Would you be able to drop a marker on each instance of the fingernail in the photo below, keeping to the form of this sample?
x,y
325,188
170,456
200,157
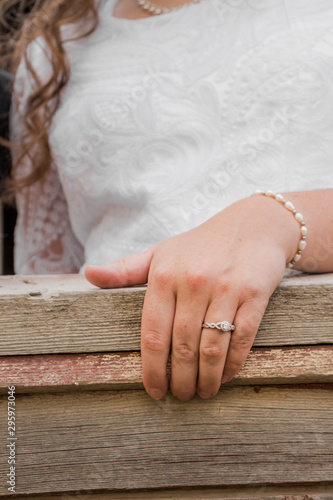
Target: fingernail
x,y
225,378
155,393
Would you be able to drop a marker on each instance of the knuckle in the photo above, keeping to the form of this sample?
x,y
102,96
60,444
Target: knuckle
x,y
253,318
195,280
152,341
243,341
254,290
184,352
247,327
211,351
163,277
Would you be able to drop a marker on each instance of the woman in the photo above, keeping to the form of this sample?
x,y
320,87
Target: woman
x,y
145,155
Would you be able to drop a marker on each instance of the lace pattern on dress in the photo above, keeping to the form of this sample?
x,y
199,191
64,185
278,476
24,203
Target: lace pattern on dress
x,y
44,240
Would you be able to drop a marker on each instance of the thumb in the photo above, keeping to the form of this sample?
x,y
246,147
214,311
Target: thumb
x,y
132,270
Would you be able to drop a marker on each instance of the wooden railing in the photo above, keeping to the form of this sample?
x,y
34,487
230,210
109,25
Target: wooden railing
x,y
85,427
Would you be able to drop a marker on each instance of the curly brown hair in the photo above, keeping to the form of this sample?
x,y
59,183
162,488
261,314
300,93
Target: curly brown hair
x,y
21,21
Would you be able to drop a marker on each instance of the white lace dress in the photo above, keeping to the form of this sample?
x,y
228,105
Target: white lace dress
x,y
167,120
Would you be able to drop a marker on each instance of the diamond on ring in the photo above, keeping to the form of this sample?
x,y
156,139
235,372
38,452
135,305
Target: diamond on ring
x,y
223,325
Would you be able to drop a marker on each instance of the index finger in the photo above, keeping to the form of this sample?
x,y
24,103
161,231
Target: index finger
x,y
156,331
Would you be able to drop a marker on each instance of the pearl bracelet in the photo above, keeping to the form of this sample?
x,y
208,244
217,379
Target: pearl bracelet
x,y
299,217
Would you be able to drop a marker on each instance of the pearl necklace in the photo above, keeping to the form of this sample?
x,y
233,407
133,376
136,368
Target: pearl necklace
x,y
156,9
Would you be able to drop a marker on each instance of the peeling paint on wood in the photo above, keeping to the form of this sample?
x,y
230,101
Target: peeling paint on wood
x,y
71,349
301,365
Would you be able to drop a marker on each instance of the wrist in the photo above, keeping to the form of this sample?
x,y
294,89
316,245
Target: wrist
x,y
294,240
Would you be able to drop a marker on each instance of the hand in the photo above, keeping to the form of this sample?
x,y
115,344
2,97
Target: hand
x,y
225,269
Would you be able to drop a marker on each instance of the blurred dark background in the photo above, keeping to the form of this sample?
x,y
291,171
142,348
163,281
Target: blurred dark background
x,y
8,212
11,20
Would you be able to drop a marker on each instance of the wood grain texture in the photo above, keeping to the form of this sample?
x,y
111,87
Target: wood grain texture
x,y
125,440
63,372
65,314
313,492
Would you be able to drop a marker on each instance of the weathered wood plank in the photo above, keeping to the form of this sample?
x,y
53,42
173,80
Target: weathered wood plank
x,y
125,440
64,314
63,372
313,492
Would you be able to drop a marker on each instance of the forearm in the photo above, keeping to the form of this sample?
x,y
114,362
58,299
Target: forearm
x,y
317,209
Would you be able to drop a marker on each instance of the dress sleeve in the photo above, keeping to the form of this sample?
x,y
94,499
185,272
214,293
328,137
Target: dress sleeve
x,y
44,240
